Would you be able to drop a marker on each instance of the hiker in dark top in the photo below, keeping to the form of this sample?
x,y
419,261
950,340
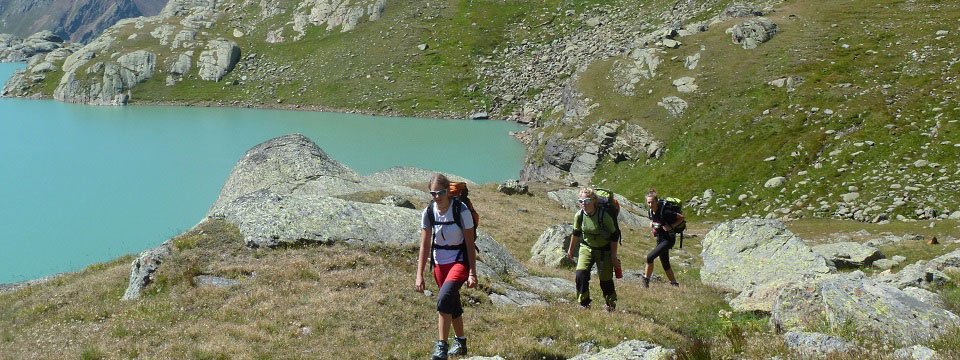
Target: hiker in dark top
x,y
663,222
449,246
596,234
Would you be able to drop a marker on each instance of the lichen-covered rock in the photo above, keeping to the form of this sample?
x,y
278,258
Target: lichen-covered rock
x,y
753,32
345,14
144,268
283,192
759,298
408,176
630,350
849,254
740,254
916,352
675,106
549,285
218,59
214,281
854,300
512,187
551,248
815,345
506,295
925,296
922,273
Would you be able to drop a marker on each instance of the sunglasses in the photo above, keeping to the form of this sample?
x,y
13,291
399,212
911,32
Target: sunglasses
x,y
584,201
438,193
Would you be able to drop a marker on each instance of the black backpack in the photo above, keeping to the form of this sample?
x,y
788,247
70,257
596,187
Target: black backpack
x,y
673,205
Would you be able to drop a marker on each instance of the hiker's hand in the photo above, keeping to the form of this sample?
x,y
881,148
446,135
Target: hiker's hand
x,y
570,254
419,287
471,281
667,227
616,261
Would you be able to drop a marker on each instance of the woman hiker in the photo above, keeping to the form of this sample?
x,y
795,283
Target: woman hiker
x,y
662,221
596,234
453,260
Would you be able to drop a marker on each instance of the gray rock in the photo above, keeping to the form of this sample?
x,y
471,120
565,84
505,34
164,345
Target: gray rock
x,y
685,84
628,209
812,344
407,176
743,253
775,182
630,350
850,197
759,298
872,308
675,106
214,281
144,268
512,187
849,254
925,296
484,358
397,201
671,44
483,115
884,264
136,67
182,65
218,59
741,10
551,248
282,192
916,352
692,61
506,295
753,32
550,285
922,273
14,49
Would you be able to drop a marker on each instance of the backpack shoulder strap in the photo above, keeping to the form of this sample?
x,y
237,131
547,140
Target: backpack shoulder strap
x,y
579,221
430,216
457,209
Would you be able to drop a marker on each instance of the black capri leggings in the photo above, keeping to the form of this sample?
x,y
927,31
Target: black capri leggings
x,y
662,250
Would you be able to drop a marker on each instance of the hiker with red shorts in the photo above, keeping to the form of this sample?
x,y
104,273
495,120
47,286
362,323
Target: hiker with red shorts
x,y
447,240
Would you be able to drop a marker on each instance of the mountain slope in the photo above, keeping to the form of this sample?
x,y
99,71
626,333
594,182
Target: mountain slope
x,y
75,20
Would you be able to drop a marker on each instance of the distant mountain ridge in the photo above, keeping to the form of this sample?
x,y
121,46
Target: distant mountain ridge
x,y
74,20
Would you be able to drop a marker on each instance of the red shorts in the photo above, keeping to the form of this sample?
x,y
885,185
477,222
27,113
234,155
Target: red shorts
x,y
456,271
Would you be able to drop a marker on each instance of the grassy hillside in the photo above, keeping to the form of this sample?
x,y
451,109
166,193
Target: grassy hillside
x,y
881,68
332,302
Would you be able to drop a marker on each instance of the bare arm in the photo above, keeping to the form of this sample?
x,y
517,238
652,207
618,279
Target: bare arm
x,y
470,237
425,235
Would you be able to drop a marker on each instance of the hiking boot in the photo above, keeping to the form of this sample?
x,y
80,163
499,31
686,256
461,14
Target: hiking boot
x,y
584,306
440,350
646,282
459,346
674,284
610,307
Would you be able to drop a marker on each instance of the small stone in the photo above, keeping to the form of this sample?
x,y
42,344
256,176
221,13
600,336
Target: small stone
x,y
920,163
772,158
775,182
423,47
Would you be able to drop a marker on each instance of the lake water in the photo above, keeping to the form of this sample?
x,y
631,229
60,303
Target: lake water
x,y
85,184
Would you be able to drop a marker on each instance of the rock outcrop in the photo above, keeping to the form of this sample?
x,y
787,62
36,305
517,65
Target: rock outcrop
x,y
144,268
218,59
753,32
576,160
512,187
923,273
849,254
13,49
740,254
75,20
630,350
551,248
854,300
815,345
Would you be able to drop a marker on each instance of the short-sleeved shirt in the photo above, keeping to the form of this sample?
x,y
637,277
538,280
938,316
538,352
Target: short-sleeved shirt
x,y
447,235
595,235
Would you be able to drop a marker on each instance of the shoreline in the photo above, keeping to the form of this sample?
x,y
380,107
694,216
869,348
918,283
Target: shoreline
x,y
13,287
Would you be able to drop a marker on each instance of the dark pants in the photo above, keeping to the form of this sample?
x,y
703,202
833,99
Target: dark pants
x,y
665,242
448,299
587,258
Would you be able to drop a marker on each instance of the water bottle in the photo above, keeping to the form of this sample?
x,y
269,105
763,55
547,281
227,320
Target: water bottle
x,y
618,271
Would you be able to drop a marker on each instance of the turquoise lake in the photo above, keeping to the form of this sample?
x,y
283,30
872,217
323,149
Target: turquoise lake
x,y
86,184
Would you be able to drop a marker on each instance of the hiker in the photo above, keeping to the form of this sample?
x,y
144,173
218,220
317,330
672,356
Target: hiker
x,y
450,248
596,234
664,222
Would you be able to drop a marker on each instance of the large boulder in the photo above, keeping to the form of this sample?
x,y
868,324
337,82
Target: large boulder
x,y
143,269
630,350
567,198
409,176
753,32
218,59
283,192
849,254
870,307
740,254
551,248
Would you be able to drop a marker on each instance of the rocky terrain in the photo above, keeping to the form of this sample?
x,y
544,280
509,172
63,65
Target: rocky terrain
x,y
73,20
